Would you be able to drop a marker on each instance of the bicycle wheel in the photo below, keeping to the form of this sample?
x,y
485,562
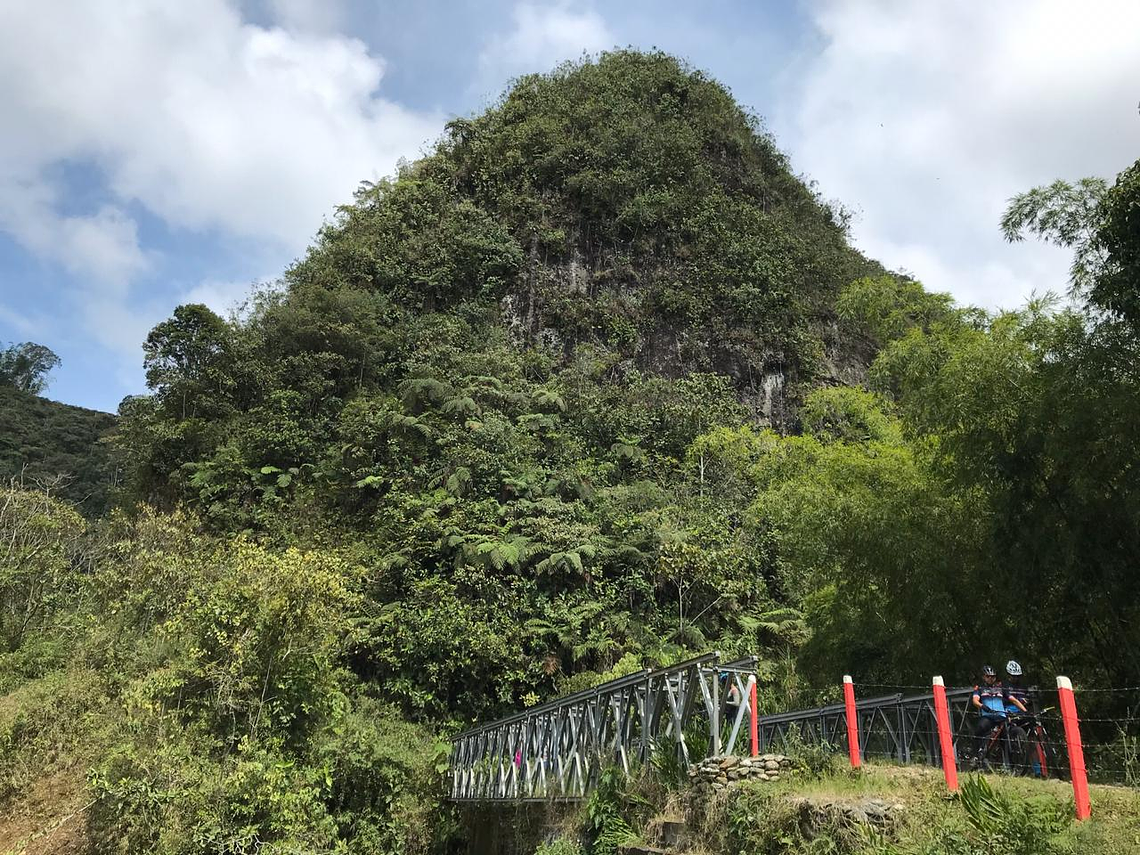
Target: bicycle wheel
x,y
1045,754
992,757
1019,759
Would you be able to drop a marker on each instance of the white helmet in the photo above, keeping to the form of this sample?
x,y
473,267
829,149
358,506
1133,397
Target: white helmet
x,y
1013,668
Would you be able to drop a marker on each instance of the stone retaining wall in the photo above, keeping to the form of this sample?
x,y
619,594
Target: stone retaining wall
x,y
718,773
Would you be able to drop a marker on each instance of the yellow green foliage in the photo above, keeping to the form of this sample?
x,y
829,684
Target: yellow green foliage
x,y
39,554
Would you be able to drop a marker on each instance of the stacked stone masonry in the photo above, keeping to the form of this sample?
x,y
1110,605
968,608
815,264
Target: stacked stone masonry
x,y
719,773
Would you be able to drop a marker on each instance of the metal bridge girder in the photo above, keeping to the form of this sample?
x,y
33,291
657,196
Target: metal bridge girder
x,y
558,749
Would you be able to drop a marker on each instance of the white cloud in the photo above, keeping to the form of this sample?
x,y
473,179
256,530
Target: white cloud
x,y
226,296
101,246
21,325
207,122
122,329
309,16
543,35
927,117
104,245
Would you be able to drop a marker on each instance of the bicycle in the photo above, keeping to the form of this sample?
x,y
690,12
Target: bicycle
x,y
1013,742
1041,757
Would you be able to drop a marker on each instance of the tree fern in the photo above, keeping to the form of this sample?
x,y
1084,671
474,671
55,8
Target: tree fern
x,y
461,406
548,400
459,481
417,392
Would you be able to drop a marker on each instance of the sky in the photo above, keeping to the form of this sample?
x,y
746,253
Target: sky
x,y
156,153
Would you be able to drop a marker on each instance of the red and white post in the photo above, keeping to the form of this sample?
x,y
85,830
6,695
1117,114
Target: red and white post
x,y
754,716
1076,750
945,737
852,723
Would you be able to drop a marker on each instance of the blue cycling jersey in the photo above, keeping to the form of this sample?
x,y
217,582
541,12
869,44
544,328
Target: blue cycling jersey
x,y
994,700
993,705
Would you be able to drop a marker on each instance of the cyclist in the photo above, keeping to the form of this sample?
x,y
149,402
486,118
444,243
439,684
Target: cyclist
x,y
1019,702
990,698
1016,690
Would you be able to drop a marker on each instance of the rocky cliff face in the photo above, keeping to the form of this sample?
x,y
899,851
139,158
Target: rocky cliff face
x,y
770,378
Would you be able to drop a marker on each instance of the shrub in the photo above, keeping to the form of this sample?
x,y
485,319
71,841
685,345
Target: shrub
x,y
38,572
256,641
1003,822
818,758
561,846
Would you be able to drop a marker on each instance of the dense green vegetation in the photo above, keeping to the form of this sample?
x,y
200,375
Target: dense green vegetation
x,y
597,383
56,447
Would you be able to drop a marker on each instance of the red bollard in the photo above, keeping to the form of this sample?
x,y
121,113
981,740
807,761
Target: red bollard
x,y
945,739
754,724
852,723
1076,750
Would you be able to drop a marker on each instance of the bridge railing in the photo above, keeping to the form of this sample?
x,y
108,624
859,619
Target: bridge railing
x,y
890,727
558,749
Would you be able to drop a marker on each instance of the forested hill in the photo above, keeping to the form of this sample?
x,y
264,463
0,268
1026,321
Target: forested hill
x,y
630,204
622,219
57,446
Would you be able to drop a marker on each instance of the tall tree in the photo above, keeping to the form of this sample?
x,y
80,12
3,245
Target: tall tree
x,y
1118,288
1064,214
181,356
25,366
1101,224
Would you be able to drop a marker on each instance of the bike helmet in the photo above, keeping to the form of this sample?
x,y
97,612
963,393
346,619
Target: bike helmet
x,y
988,671
1013,668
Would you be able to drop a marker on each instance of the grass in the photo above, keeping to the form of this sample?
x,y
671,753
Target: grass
x,y
812,814
51,730
930,821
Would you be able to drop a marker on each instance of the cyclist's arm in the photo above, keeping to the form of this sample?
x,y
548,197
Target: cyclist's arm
x,y
1007,698
976,699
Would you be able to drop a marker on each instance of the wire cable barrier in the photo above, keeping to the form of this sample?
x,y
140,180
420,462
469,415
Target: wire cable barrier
x,y
903,729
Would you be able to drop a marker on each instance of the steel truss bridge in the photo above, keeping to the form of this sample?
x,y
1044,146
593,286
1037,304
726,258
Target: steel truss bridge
x,y
558,750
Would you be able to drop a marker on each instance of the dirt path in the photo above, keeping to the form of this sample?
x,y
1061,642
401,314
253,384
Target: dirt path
x,y
50,820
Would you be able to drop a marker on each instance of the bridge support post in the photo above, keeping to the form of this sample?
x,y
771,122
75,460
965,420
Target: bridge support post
x,y
945,739
1076,750
852,723
753,709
